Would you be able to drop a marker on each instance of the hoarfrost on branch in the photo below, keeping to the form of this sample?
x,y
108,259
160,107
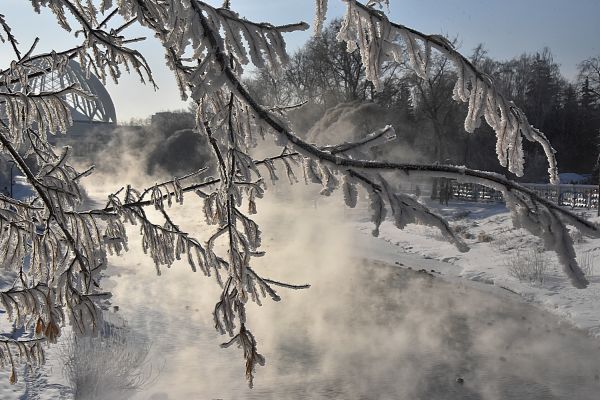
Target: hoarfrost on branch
x,y
56,252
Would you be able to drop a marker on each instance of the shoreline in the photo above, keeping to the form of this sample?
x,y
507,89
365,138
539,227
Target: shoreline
x,y
486,262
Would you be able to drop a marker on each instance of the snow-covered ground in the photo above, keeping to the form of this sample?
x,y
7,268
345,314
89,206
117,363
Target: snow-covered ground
x,y
495,246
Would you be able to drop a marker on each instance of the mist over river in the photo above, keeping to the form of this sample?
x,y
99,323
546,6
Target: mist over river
x,y
389,334
364,330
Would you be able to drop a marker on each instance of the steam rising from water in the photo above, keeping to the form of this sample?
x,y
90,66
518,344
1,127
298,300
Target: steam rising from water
x,y
364,330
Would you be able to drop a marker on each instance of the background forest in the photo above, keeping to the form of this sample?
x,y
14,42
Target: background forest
x,y
426,118
336,100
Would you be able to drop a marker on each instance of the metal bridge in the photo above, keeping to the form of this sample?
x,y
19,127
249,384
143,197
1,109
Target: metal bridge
x,y
99,108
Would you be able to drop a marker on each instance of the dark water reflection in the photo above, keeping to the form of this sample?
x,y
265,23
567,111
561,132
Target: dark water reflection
x,y
385,333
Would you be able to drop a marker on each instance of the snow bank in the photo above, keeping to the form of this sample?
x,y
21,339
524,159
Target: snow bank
x,y
495,247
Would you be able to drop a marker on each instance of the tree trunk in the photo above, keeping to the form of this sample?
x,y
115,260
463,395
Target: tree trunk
x,y
434,189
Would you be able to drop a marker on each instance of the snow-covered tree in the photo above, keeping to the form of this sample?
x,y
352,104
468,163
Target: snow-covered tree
x,y
56,251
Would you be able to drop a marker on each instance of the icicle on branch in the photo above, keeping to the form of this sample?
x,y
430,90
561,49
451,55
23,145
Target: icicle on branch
x,y
379,41
284,136
320,13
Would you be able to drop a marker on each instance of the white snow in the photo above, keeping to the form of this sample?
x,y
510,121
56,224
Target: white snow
x,y
493,243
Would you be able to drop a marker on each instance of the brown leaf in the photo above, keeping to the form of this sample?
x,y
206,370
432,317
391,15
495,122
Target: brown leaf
x,y
39,327
52,332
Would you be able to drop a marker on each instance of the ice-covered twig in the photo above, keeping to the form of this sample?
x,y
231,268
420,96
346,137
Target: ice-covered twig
x,y
9,36
405,209
375,138
379,40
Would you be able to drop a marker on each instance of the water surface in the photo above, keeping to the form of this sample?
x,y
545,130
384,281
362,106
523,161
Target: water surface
x,y
386,333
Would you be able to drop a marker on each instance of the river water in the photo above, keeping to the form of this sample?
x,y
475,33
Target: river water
x,y
402,335
365,330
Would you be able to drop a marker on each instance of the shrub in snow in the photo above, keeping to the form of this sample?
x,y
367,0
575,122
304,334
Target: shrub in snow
x,y
528,265
111,366
484,237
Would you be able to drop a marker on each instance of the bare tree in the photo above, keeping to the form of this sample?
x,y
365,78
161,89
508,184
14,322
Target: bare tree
x,y
322,71
56,251
433,98
590,70
589,75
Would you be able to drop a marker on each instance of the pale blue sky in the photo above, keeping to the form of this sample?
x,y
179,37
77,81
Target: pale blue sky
x,y
571,29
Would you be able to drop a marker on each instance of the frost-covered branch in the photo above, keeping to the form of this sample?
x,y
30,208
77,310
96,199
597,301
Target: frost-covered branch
x,y
58,251
375,138
379,42
9,36
245,340
106,47
52,207
285,135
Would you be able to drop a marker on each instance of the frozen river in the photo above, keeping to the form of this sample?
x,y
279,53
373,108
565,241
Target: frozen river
x,y
365,330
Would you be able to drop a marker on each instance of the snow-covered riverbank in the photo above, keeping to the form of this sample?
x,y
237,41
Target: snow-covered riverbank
x,y
495,247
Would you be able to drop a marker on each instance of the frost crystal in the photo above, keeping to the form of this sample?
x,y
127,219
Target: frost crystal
x,y
377,39
57,252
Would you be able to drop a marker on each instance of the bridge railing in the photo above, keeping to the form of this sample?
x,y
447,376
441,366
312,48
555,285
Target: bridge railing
x,y
569,195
